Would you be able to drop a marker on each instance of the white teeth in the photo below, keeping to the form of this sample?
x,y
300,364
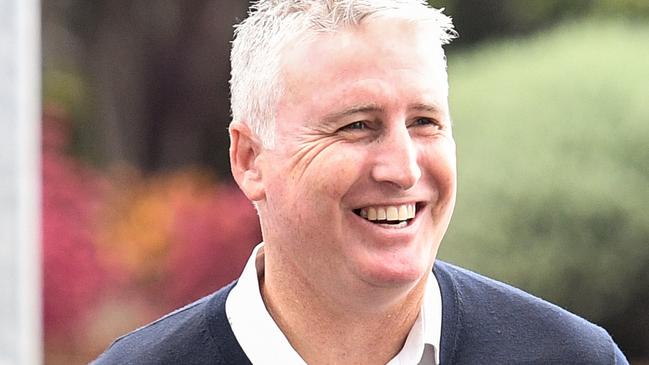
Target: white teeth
x,y
401,224
371,214
392,213
403,212
411,210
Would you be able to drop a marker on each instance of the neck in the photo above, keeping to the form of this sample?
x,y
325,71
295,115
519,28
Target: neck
x,y
323,330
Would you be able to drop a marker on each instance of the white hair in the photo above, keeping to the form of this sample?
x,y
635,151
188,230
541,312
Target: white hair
x,y
274,25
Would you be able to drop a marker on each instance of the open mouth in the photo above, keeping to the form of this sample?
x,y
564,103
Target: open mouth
x,y
390,216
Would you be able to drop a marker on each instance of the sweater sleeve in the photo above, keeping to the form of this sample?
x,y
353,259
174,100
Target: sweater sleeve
x,y
620,359
485,321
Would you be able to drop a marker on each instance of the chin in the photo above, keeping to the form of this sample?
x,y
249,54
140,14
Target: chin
x,y
395,273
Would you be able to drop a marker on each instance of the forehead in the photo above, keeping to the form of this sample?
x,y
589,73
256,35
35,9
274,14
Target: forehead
x,y
377,61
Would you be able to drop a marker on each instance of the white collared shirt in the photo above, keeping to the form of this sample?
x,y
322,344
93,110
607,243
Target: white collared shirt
x,y
264,343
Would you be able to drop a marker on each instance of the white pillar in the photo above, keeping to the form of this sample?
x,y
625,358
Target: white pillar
x,y
20,114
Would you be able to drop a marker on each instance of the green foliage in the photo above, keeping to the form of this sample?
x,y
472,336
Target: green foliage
x,y
65,89
540,11
553,156
68,91
629,8
480,20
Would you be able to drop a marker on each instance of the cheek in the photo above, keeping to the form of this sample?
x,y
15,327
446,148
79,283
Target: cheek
x,y
312,189
440,163
331,174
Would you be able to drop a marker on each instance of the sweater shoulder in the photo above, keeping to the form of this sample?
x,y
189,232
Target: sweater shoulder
x,y
491,317
188,335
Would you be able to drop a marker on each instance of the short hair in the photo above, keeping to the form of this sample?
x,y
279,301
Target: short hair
x,y
273,25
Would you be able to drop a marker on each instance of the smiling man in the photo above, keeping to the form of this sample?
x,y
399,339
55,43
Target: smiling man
x,y
341,136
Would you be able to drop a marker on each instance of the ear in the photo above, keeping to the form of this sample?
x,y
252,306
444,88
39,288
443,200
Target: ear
x,y
244,152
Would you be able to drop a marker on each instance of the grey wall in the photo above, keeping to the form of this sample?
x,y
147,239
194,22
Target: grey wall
x,y
20,309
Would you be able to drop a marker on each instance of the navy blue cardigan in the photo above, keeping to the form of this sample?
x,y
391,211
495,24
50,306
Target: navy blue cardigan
x,y
483,322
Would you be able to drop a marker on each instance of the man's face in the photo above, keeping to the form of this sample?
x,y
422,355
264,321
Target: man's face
x,y
363,143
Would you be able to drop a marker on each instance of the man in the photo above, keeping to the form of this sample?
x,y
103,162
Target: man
x,y
341,136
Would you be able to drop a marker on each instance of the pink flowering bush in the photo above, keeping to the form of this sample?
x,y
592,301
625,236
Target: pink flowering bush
x,y
121,248
215,236
73,277
176,236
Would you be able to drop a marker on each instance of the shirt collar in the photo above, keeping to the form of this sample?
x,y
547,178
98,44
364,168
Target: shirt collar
x,y
262,340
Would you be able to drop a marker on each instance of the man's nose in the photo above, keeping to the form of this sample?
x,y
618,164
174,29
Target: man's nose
x,y
396,159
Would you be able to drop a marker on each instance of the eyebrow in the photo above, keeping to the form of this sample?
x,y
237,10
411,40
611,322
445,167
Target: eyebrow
x,y
360,108
422,107
430,108
375,108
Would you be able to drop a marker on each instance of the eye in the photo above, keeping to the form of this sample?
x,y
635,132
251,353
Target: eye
x,y
354,126
424,121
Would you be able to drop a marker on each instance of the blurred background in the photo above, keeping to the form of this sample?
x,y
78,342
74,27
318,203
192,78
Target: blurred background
x,y
550,101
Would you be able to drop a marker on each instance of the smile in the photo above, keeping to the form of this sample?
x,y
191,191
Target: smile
x,y
391,216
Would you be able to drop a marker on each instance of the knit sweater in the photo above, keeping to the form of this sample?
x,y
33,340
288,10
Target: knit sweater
x,y
483,322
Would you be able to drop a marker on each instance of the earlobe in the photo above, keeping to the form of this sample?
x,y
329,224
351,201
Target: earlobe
x,y
245,149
